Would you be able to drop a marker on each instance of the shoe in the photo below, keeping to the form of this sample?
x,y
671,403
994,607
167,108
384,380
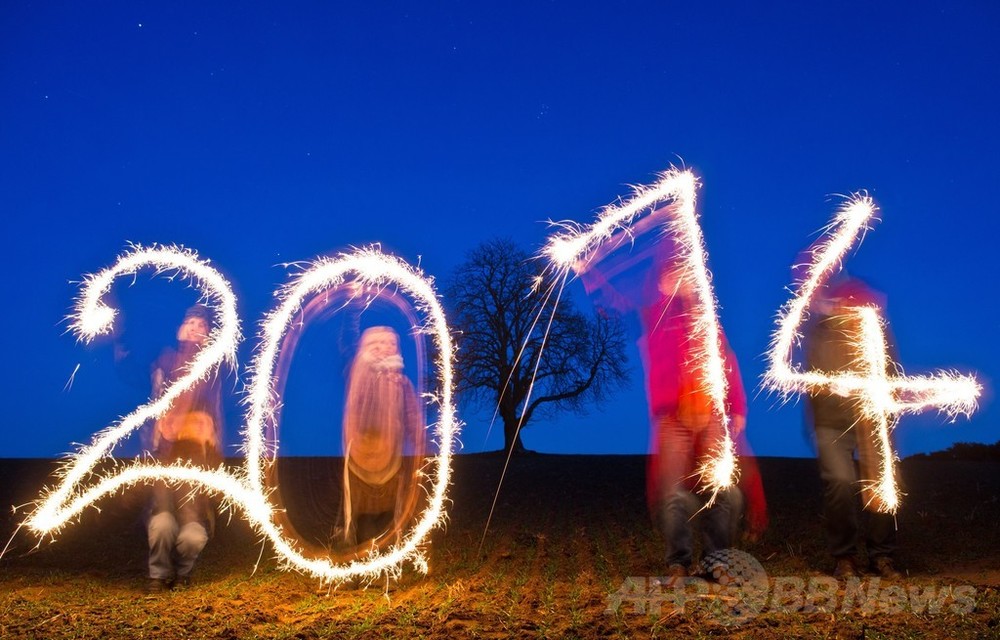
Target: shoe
x,y
677,571
883,566
182,582
675,575
157,585
845,568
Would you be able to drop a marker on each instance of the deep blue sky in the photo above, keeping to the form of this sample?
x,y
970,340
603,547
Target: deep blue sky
x,y
259,134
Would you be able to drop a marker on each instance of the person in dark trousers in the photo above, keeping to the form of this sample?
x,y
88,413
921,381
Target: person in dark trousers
x,y
842,430
181,520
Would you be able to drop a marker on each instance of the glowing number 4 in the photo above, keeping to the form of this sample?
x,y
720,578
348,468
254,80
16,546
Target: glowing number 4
x,y
245,488
882,397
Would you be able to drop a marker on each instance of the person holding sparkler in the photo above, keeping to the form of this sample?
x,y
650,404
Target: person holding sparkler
x,y
649,276
180,520
841,428
383,441
686,428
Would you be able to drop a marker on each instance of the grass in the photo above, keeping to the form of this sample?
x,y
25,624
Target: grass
x,y
567,532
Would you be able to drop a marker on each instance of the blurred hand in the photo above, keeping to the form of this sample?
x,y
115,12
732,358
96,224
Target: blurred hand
x,y
737,425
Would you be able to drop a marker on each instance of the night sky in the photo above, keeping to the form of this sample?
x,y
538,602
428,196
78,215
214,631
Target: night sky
x,y
261,135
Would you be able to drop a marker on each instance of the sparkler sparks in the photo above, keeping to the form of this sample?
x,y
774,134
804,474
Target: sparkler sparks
x,y
245,489
575,247
882,397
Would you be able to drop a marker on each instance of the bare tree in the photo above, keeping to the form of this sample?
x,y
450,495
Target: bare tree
x,y
495,298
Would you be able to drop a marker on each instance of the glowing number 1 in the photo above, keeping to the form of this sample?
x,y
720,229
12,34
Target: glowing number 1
x,y
882,397
679,187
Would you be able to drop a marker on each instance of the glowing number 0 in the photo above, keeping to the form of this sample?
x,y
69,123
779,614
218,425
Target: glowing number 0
x,y
245,489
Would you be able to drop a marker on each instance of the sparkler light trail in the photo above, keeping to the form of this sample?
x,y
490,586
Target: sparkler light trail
x,y
373,269
576,246
92,318
245,489
883,398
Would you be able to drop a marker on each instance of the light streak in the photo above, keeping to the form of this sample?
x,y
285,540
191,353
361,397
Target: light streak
x,y
882,397
81,485
577,245
69,383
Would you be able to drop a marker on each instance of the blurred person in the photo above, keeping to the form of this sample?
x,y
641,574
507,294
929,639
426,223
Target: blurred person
x,y
686,428
645,275
748,502
841,430
383,441
180,520
750,516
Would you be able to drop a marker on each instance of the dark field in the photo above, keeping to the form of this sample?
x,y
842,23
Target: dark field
x,y
567,532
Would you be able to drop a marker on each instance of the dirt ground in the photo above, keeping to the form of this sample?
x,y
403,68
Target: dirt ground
x,y
570,553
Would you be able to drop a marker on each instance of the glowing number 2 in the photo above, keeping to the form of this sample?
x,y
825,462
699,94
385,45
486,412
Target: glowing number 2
x,y
92,318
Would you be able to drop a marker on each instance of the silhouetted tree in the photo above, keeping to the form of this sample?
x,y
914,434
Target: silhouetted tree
x,y
495,297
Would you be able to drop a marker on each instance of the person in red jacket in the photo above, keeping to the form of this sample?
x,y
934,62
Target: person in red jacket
x,y
645,275
685,426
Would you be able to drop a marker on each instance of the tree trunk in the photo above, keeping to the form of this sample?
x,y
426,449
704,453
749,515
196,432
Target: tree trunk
x,y
511,436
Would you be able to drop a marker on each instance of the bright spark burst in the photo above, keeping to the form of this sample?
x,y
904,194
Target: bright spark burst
x,y
245,488
882,397
575,246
